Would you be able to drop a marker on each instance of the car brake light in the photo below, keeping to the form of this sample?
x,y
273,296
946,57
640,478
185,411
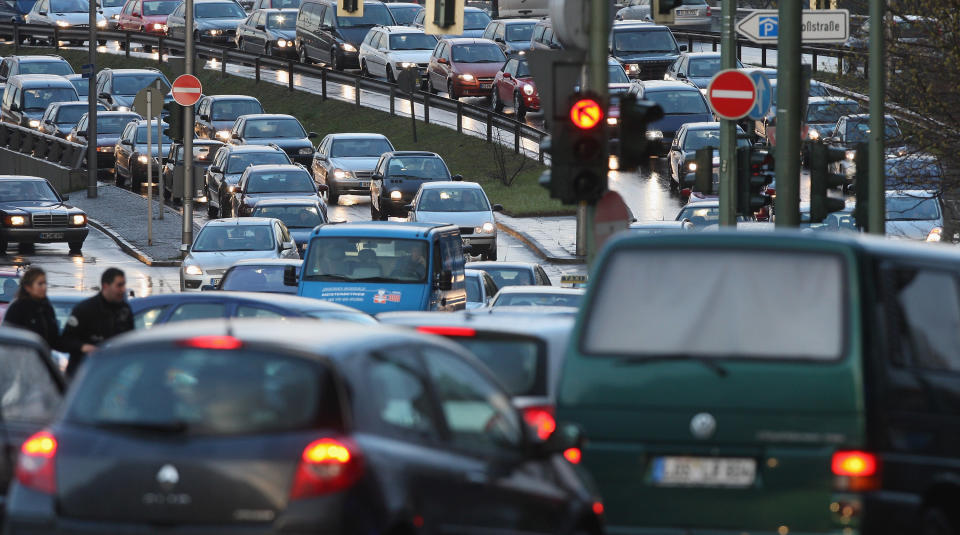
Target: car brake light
x,y
854,464
573,455
212,342
709,11
598,508
541,419
327,465
447,331
35,465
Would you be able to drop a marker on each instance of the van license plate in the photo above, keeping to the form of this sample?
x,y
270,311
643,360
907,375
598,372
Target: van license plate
x,y
704,471
51,235
364,184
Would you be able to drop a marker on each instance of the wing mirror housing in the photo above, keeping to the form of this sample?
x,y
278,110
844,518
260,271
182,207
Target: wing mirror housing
x,y
290,276
312,135
445,283
261,27
498,208
683,48
322,188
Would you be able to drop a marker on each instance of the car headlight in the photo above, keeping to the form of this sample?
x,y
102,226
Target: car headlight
x,y
466,77
486,228
158,26
340,174
231,188
223,134
15,220
143,158
347,47
102,23
396,195
813,135
851,155
34,123
306,150
936,234
214,32
123,108
612,121
78,220
407,65
633,68
63,24
104,149
528,89
654,135
281,43
193,270
522,53
116,16
692,166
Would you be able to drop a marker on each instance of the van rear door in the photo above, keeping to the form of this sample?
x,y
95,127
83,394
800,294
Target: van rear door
x,y
714,384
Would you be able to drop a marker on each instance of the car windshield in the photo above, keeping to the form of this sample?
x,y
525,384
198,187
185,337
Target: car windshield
x,y
858,131
203,391
704,67
238,162
404,15
678,102
616,75
453,200
285,4
539,300
373,15
234,238
256,279
474,291
475,20
520,32
830,112
505,276
219,10
70,114
27,190
644,41
160,7
701,139
907,208
478,53
202,154
912,170
296,216
425,167
412,41
523,69
298,181
273,128
69,6
112,3
229,110
142,134
282,21
82,85
519,363
366,259
114,124
59,68
359,148
39,99
700,216
131,84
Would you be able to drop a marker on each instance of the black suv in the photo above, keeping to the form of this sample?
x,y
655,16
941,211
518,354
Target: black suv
x,y
398,177
645,50
228,166
325,37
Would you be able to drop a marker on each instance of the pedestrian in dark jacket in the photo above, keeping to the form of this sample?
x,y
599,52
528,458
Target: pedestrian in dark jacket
x,y
32,310
98,319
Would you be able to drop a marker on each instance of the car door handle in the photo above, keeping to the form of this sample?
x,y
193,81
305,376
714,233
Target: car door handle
x,y
476,478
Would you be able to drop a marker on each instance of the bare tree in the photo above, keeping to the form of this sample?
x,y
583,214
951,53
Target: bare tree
x,y
505,168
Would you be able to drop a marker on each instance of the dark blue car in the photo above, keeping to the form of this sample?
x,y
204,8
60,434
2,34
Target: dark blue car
x,y
682,103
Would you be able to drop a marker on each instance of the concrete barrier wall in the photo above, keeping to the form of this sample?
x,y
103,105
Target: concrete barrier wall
x,y
64,179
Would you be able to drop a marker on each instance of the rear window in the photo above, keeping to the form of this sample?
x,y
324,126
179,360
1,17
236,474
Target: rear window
x,y
518,362
704,303
204,391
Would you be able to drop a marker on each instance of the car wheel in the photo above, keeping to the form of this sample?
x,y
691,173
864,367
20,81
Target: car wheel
x,y
122,45
335,60
433,90
75,247
450,92
363,70
333,197
519,110
934,521
390,77
495,101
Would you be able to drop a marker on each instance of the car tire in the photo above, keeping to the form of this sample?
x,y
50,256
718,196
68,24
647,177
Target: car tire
x,y
430,88
25,247
935,521
76,43
333,196
76,247
123,45
450,91
117,176
390,77
363,70
302,54
519,110
495,103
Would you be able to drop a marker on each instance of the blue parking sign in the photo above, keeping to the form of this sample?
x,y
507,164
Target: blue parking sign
x,y
769,26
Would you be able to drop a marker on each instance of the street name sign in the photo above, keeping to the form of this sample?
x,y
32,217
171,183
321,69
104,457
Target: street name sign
x,y
762,26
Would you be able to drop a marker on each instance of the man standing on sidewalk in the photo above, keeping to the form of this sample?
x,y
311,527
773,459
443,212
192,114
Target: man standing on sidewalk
x,y
95,320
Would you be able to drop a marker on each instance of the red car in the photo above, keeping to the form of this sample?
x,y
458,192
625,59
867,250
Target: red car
x,y
464,67
148,16
514,86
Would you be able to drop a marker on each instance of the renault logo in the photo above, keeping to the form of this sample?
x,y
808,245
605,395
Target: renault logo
x,y
168,476
703,425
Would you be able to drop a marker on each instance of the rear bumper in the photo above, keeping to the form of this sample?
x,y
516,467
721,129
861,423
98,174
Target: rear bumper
x,y
44,235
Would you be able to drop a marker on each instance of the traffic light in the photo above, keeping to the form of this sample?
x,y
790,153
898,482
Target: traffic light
x,y
822,181
635,148
350,8
754,171
579,159
862,185
445,12
174,118
703,172
662,11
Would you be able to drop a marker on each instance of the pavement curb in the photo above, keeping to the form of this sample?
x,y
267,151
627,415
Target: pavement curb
x,y
131,249
537,248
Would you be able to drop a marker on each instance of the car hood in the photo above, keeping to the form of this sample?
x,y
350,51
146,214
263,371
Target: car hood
x,y
110,11
75,19
369,297
354,35
224,259
32,114
289,35
672,123
483,70
282,142
911,230
64,130
155,19
646,56
411,56
218,24
222,125
700,81
29,206
460,219
107,140
154,149
822,128
616,89
355,164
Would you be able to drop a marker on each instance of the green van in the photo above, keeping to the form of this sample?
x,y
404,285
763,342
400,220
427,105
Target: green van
x,y
770,383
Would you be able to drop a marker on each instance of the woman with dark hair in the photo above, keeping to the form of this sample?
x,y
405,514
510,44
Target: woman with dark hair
x,y
32,311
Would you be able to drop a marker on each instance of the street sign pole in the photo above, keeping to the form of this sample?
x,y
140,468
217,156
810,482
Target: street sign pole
x,y
159,144
728,128
186,239
92,106
876,167
597,83
149,170
788,114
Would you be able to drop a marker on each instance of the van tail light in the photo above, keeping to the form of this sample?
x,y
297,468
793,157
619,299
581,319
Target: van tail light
x,y
447,331
856,471
542,419
326,465
35,465
574,455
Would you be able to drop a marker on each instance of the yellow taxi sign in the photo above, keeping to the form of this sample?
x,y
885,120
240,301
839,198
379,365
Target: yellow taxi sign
x,y
573,280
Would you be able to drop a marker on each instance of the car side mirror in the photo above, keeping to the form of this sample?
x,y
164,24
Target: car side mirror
x,y
376,176
498,208
445,284
214,169
105,96
683,48
235,135
443,61
65,197
498,39
290,276
322,188
457,178
14,107
48,121
204,117
681,75
44,13
261,27
287,245
126,142
312,135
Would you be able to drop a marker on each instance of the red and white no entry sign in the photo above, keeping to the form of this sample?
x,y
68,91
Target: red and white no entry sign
x,y
731,94
186,90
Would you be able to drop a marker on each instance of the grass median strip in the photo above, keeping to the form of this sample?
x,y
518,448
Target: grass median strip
x,y
472,157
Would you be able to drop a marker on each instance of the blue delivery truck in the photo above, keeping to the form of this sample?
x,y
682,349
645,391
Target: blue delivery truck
x,y
385,266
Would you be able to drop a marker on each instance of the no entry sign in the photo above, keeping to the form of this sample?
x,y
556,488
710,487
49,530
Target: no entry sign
x,y
186,90
732,94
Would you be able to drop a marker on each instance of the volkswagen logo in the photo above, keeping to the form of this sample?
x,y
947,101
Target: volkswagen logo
x,y
168,477
703,425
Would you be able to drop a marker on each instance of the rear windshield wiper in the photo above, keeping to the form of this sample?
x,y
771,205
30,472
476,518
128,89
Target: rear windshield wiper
x,y
709,362
173,426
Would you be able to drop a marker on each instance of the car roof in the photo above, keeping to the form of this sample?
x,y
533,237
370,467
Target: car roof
x,y
40,79
403,4
37,57
266,115
240,221
552,290
22,177
468,41
379,229
401,28
234,97
141,123
285,201
703,125
441,184
535,325
705,202
516,21
635,24
410,153
912,193
667,85
293,302
694,55
830,99
256,168
487,265
133,71
357,135
865,116
277,10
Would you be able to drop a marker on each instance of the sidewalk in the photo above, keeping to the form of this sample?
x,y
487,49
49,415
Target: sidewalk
x,y
122,215
553,239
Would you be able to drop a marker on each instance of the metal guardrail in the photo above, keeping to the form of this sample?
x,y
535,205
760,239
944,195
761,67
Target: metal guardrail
x,y
224,54
49,148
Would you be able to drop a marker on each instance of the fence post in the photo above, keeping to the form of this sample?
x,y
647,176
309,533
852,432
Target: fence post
x,y
256,69
516,137
223,63
540,149
690,43
393,94
159,50
459,117
763,55
426,107
323,85
290,71
16,37
840,64
814,62
714,43
356,92
489,126
126,44
56,38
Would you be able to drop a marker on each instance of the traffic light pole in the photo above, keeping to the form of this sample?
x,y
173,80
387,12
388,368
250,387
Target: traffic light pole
x,y
188,55
789,108
596,81
728,129
876,168
92,106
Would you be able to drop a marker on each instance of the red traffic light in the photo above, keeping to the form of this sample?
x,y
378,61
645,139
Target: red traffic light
x,y
586,113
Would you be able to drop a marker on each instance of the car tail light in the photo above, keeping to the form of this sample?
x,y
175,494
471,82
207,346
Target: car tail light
x,y
35,466
574,455
447,331
212,342
685,192
856,470
327,465
598,508
709,11
541,419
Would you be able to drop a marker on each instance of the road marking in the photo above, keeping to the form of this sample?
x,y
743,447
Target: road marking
x,y
730,93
